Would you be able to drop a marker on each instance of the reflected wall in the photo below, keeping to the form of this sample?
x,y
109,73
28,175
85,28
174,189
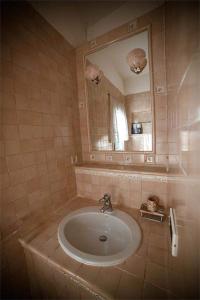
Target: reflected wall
x,y
154,19
120,96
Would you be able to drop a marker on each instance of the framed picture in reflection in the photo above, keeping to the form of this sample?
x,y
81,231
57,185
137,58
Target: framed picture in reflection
x,y
136,128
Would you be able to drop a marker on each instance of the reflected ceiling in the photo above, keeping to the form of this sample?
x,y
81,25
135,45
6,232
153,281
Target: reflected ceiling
x,y
79,21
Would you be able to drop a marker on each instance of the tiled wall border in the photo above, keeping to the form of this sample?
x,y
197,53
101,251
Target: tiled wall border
x,y
136,175
122,174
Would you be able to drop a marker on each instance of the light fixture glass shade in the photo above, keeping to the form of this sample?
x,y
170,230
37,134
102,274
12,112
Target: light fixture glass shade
x,y
137,61
93,73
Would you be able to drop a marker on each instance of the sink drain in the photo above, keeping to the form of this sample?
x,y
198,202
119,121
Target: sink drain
x,y
103,238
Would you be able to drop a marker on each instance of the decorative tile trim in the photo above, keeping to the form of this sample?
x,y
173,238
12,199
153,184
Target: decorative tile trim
x,y
120,174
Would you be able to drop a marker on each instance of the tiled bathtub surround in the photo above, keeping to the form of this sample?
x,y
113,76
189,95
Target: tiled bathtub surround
x,y
148,274
127,188
40,129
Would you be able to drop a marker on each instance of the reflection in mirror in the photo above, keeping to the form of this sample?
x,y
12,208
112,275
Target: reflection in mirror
x,y
119,96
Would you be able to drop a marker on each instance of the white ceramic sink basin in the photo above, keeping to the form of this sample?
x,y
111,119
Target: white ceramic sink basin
x,y
99,239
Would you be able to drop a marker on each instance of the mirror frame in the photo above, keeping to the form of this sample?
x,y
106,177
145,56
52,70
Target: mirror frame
x,y
104,45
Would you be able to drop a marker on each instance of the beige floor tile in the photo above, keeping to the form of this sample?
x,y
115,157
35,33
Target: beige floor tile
x,y
130,287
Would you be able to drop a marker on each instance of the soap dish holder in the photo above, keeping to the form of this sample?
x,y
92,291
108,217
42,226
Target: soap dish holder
x,y
157,216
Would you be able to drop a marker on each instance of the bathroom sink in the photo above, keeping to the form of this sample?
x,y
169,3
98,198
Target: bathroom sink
x,y
99,239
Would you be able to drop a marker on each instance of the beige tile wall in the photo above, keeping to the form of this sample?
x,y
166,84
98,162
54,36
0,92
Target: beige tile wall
x,y
129,190
183,73
40,126
156,19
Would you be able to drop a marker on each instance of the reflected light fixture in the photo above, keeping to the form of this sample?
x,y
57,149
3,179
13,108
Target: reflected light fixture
x,y
137,61
93,73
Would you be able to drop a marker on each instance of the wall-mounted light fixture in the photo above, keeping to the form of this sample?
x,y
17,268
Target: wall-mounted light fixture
x,y
137,61
93,73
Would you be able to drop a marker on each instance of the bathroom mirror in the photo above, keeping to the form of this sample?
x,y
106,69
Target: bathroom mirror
x,y
119,95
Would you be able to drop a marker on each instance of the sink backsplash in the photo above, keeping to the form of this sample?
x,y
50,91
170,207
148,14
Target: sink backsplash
x,y
126,188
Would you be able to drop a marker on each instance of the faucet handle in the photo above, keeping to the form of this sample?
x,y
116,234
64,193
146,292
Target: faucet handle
x,y
101,200
107,205
107,196
107,199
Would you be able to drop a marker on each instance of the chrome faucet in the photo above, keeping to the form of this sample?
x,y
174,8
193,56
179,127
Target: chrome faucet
x,y
107,205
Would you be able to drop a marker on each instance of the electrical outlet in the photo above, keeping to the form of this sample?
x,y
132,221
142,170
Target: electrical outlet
x,y
149,159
